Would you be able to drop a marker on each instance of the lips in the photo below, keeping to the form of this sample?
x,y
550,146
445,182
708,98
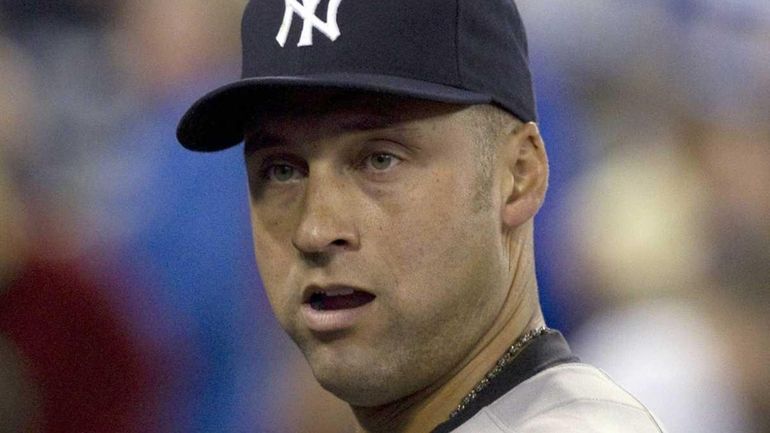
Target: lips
x,y
339,298
334,308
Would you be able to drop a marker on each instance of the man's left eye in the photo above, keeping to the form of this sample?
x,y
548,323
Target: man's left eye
x,y
381,161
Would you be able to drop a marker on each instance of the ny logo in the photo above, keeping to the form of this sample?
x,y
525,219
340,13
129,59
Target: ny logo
x,y
306,10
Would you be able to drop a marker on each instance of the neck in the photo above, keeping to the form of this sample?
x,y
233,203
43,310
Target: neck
x,y
424,410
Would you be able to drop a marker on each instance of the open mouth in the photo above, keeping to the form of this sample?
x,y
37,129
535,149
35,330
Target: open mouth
x,y
339,299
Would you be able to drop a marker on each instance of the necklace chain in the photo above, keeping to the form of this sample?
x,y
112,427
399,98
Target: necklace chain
x,y
506,359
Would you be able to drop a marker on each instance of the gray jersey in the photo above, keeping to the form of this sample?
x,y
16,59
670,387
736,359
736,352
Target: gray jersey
x,y
568,398
547,390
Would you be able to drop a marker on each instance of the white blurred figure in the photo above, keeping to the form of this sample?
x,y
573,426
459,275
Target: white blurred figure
x,y
669,230
640,242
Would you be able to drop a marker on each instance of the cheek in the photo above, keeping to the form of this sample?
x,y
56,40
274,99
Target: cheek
x,y
272,223
437,234
272,250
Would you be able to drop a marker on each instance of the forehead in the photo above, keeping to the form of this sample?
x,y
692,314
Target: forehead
x,y
333,111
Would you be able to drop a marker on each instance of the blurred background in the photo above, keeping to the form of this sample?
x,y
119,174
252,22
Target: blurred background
x,y
129,298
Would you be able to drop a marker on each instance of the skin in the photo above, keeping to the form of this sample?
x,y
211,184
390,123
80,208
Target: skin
x,y
386,194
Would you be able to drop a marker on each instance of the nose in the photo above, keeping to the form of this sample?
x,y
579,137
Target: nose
x,y
326,225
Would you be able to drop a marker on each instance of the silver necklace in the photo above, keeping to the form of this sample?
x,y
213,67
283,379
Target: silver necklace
x,y
506,359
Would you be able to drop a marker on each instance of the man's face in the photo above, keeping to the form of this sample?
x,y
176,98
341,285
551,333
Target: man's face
x,y
380,255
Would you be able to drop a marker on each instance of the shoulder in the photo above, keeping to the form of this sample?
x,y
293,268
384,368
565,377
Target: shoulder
x,y
569,398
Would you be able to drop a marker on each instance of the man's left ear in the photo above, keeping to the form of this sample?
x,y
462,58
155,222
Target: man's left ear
x,y
526,174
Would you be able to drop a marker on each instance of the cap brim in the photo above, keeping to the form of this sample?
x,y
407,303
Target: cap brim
x,y
216,121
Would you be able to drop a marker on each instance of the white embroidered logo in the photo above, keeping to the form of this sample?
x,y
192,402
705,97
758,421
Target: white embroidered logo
x,y
306,10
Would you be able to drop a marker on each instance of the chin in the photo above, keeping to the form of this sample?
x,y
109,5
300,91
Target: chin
x,y
360,396
360,387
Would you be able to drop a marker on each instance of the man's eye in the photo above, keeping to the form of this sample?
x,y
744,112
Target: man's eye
x,y
381,161
281,173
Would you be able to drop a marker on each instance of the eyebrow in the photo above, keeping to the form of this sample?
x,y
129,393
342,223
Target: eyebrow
x,y
369,122
260,138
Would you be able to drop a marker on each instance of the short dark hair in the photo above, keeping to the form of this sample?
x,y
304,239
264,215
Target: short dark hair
x,y
489,123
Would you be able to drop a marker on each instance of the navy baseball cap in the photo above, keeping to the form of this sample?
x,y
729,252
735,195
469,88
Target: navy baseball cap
x,y
454,51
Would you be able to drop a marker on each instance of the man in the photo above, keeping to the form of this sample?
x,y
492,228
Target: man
x,y
394,170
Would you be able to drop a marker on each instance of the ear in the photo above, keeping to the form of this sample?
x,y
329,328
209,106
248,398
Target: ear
x,y
525,174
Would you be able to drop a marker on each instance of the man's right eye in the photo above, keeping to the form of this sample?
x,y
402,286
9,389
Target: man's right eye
x,y
281,173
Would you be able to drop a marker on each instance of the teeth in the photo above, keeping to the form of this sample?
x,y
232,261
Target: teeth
x,y
339,292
